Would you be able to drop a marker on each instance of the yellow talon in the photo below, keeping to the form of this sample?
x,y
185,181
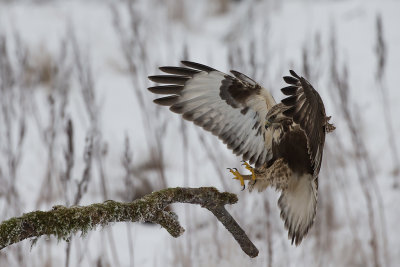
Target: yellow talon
x,y
251,169
238,176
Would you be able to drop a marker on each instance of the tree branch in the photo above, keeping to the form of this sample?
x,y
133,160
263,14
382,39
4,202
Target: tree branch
x,y
62,222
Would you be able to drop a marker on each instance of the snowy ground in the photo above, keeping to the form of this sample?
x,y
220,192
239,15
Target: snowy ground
x,y
275,34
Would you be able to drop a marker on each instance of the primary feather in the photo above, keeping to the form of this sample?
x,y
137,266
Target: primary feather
x,y
233,108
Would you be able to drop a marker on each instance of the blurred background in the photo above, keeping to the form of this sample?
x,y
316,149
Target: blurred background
x,y
78,126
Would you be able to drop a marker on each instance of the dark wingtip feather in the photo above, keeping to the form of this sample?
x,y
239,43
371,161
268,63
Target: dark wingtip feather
x,y
290,80
294,74
169,79
166,89
179,71
197,66
289,112
154,78
166,101
305,83
289,101
289,90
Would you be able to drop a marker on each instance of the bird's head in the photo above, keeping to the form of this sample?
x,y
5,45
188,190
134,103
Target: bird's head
x,y
275,117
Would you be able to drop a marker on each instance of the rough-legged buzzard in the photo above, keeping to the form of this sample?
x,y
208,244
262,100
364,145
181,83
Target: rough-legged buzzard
x,y
284,141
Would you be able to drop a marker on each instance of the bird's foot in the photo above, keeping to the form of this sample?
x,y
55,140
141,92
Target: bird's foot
x,y
238,176
251,169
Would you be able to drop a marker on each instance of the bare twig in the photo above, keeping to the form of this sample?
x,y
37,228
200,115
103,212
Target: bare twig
x,y
382,55
63,222
83,183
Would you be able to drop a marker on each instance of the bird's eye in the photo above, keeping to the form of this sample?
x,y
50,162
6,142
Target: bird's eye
x,y
273,117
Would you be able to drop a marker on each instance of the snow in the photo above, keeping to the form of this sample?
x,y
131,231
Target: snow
x,y
279,30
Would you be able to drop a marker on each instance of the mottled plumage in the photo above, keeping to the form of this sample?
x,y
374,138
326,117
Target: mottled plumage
x,y
285,140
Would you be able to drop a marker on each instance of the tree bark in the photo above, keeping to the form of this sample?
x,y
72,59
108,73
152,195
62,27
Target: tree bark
x,y
62,222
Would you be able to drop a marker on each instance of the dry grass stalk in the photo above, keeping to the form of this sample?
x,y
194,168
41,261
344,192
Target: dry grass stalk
x,y
381,55
362,160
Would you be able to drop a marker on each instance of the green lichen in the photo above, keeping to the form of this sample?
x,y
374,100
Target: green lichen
x,y
62,222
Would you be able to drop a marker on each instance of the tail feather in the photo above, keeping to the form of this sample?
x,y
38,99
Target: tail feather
x,y
298,204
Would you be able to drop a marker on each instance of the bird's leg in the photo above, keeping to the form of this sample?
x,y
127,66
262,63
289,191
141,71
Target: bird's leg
x,y
238,176
242,177
251,169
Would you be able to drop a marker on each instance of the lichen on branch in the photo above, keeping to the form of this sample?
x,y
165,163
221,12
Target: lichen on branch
x,y
63,222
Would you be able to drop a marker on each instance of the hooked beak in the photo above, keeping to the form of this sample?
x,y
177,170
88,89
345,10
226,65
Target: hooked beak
x,y
267,124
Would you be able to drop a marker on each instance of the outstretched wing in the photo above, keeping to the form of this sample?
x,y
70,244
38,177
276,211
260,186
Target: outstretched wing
x,y
307,110
233,108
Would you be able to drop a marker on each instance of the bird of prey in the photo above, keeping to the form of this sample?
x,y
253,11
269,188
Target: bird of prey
x,y
283,140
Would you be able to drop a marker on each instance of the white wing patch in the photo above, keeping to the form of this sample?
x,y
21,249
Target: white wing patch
x,y
200,99
239,124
